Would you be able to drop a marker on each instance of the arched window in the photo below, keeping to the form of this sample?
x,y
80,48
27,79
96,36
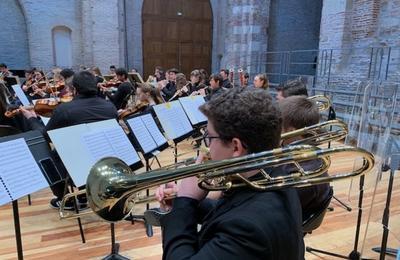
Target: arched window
x,y
62,47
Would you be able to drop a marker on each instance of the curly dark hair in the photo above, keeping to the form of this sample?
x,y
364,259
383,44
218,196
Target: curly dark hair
x,y
250,115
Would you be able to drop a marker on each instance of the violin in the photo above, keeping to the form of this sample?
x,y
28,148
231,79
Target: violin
x,y
42,107
138,108
58,86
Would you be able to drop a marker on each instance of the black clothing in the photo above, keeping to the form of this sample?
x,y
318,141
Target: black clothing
x,y
80,110
169,90
226,84
312,197
120,98
215,92
244,224
195,87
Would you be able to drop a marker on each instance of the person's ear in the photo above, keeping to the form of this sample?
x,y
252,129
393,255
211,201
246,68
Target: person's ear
x,y
238,148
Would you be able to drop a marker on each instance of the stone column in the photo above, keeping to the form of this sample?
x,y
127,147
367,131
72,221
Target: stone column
x,y
246,35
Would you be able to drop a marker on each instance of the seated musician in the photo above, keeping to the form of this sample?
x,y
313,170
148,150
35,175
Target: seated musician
x,y
216,86
112,70
299,112
125,89
225,79
146,97
196,87
245,224
4,72
261,81
294,87
168,90
86,107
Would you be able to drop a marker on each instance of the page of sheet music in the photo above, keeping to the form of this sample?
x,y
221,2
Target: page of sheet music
x,y
4,197
19,170
21,95
121,145
152,127
141,133
109,142
191,106
173,119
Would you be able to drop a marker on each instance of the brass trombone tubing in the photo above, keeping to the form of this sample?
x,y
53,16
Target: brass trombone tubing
x,y
111,188
323,102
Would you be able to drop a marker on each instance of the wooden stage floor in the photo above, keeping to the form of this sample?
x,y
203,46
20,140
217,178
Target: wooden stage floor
x,y
45,236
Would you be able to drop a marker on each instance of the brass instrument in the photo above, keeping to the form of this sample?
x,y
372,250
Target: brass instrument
x,y
323,102
318,134
112,188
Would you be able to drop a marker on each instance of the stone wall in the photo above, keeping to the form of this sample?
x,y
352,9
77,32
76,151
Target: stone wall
x,y
245,35
13,37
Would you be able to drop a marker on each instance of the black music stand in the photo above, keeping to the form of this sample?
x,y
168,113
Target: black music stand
x,y
40,151
148,134
394,165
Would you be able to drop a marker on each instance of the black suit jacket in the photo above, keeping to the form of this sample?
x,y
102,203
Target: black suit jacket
x,y
245,224
80,110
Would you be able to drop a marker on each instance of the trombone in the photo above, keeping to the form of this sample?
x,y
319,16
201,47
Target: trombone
x,y
314,135
113,189
323,102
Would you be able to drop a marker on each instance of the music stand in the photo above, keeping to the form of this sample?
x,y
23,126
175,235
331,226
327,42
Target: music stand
x,y
174,122
366,129
148,139
89,143
135,77
40,151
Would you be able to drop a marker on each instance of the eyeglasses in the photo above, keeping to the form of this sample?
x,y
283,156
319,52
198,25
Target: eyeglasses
x,y
207,139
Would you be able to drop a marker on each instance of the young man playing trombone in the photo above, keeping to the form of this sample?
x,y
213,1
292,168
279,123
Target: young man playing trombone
x,y
244,224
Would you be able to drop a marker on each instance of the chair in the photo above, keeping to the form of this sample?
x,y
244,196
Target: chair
x,y
315,219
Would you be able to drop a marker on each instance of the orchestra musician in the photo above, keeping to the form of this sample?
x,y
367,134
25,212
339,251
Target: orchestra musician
x,y
168,90
112,71
196,87
125,89
244,223
299,112
261,81
4,72
216,82
295,87
146,96
225,79
86,107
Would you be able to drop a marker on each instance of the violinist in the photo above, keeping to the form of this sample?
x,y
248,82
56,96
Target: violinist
x,y
146,97
97,73
86,107
36,90
112,71
125,89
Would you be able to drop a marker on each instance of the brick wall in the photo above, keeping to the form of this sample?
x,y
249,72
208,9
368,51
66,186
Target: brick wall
x,y
13,36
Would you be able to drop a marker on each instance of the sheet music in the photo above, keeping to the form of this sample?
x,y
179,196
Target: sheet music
x,y
18,169
152,127
191,106
4,196
110,142
121,145
76,155
173,119
142,134
21,95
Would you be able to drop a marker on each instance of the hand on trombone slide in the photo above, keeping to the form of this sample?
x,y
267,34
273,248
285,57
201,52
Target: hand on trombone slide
x,y
187,187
